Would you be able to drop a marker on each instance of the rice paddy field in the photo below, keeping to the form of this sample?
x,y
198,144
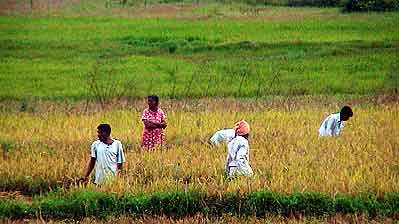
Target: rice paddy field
x,y
44,151
286,152
64,71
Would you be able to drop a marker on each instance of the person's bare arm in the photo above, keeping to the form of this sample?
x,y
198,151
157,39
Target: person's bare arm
x,y
152,125
149,124
119,166
89,169
162,125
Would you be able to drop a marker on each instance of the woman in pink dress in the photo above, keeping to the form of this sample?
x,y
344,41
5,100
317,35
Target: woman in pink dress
x,y
154,123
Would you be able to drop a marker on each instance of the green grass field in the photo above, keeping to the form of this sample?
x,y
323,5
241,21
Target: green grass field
x,y
284,51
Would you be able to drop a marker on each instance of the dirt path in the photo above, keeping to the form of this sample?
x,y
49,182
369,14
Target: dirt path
x,y
28,6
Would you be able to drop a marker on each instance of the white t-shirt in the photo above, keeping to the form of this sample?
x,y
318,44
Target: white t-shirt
x,y
331,126
222,136
238,157
107,157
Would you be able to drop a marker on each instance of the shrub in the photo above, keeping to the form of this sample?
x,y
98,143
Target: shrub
x,y
371,5
264,202
175,204
79,204
366,203
87,203
216,205
391,204
15,209
311,203
317,3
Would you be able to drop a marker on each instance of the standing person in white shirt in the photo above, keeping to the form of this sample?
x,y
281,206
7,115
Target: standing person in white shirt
x,y
333,124
106,155
222,136
238,152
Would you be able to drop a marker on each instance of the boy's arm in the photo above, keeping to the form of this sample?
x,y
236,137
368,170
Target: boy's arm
x,y
89,169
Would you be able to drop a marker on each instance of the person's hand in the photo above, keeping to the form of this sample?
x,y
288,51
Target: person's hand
x,y
163,125
159,124
83,180
149,124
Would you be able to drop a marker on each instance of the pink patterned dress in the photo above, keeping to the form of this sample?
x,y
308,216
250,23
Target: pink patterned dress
x,y
153,137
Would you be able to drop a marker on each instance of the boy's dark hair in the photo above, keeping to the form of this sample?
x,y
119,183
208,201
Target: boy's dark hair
x,y
104,128
346,110
154,97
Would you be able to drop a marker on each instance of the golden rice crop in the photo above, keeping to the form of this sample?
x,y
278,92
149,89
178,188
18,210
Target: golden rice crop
x,y
285,151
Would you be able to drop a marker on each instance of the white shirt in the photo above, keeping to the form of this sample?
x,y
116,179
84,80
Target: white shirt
x,y
107,157
238,157
223,136
331,126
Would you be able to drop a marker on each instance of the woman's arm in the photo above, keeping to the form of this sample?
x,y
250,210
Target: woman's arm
x,y
149,124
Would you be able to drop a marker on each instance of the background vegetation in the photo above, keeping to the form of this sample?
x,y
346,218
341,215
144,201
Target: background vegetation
x,y
282,51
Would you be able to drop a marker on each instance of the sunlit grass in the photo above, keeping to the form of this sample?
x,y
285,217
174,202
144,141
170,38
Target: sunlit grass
x,y
285,151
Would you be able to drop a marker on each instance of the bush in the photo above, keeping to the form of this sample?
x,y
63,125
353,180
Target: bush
x,y
391,204
217,205
176,204
295,3
14,209
311,203
80,204
371,5
317,3
262,203
366,203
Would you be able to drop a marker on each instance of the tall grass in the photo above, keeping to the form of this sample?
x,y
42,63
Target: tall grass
x,y
51,150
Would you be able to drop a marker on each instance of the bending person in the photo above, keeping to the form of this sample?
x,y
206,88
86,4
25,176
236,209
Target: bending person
x,y
333,124
238,152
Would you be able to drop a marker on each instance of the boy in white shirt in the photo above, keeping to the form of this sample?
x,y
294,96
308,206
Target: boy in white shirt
x,y
333,124
106,155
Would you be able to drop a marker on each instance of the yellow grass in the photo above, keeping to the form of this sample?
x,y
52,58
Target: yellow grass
x,y
285,151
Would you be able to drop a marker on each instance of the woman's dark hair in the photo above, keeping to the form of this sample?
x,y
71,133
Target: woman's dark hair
x,y
154,97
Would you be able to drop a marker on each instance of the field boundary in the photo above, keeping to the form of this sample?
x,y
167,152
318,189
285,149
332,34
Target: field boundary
x,y
88,203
